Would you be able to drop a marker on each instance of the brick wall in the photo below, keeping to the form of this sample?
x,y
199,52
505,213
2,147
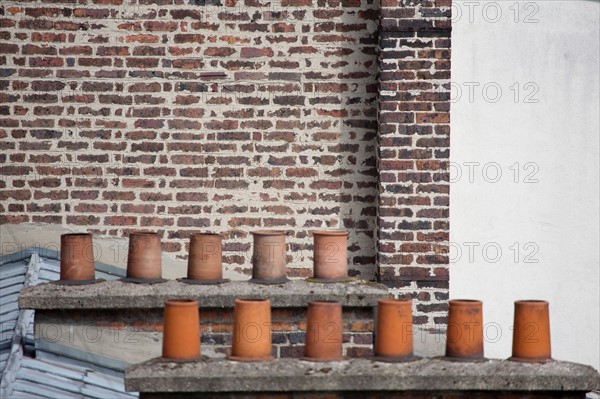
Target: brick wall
x,y
414,150
105,328
185,116
180,118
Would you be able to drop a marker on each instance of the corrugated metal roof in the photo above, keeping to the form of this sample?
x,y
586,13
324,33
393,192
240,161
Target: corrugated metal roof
x,y
59,380
48,375
13,271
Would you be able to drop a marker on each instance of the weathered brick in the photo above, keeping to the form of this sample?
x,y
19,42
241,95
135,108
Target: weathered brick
x,y
142,62
251,52
112,50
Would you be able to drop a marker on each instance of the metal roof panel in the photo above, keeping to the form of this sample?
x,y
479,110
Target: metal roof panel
x,y
23,395
9,313
46,367
100,393
105,381
43,391
51,380
49,375
4,283
13,269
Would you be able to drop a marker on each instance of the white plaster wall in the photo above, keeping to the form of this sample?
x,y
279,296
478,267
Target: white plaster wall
x,y
558,136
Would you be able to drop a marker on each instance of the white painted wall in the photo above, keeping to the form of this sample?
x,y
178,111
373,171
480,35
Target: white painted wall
x,y
558,136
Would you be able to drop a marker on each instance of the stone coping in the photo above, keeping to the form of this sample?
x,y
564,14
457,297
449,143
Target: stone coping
x,y
121,295
295,375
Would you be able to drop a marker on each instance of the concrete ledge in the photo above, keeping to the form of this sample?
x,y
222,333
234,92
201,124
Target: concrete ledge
x,y
294,375
120,295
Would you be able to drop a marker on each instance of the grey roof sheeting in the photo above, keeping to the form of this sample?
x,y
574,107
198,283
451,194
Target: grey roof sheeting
x,y
13,275
51,374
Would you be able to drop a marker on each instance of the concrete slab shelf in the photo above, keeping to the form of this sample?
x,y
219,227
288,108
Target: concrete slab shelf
x,y
295,375
121,295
